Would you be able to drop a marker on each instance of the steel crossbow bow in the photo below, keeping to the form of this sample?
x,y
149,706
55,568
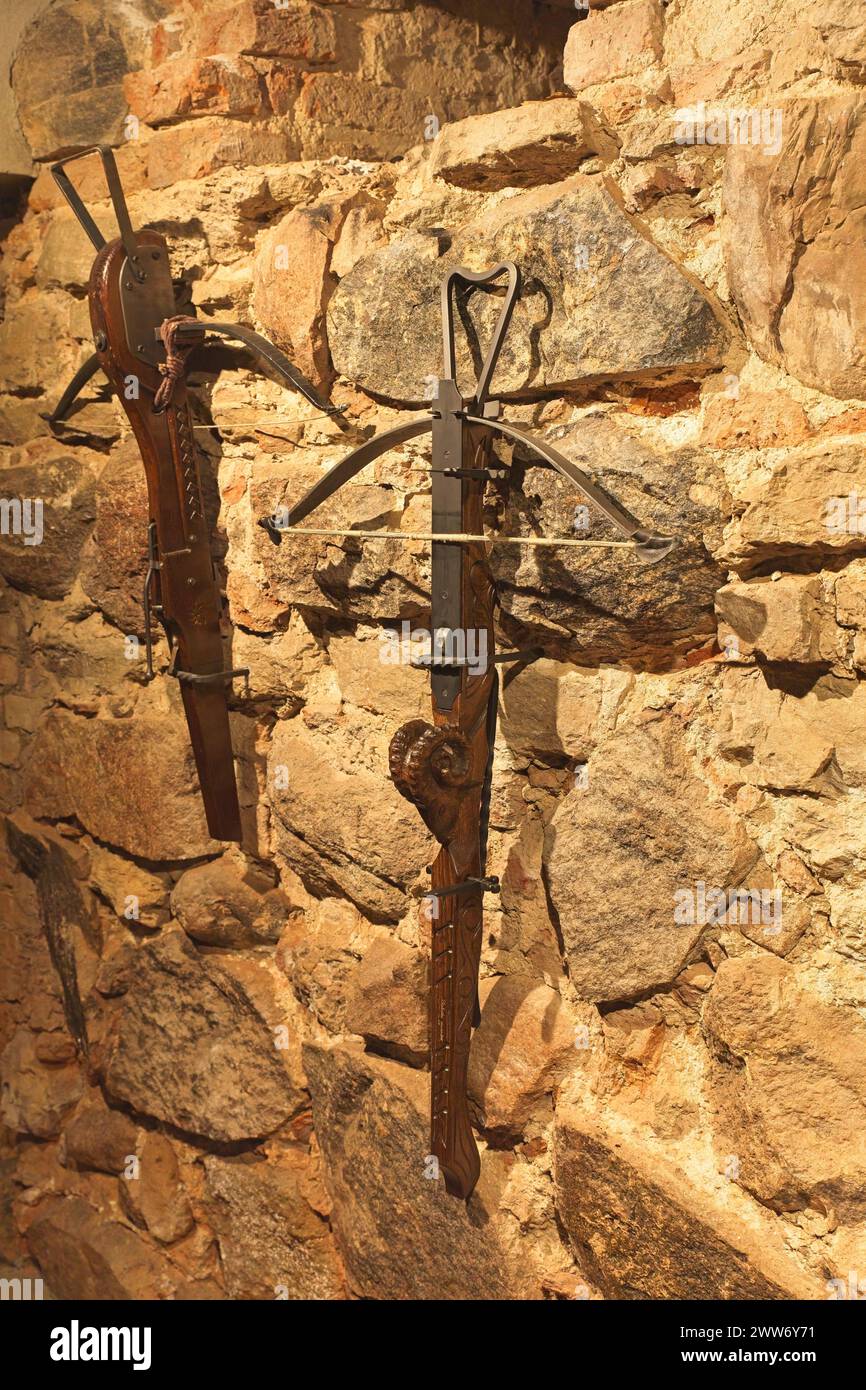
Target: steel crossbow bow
x,y
445,768
140,337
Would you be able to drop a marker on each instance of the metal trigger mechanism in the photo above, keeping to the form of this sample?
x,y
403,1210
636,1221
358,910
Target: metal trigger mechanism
x,y
149,606
489,884
210,678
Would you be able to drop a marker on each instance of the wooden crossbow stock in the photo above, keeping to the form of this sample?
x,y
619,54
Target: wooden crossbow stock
x,y
445,768
140,337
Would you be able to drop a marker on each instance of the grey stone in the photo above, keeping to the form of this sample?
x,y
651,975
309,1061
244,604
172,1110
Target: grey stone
x,y
618,850
192,1049
600,302
397,1230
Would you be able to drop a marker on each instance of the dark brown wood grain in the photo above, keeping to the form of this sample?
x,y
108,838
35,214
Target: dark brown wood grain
x,y
441,768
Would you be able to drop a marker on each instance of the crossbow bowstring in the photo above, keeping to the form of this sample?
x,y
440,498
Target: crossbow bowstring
x,y
455,537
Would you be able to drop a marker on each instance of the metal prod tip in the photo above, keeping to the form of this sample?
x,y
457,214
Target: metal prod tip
x,y
652,547
271,525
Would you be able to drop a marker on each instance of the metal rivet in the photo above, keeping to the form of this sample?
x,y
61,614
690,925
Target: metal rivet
x,y
190,581
101,342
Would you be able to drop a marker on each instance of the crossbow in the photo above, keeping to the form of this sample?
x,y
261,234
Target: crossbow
x,y
142,344
445,768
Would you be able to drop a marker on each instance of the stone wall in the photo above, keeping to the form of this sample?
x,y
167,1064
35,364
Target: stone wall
x,y
213,1059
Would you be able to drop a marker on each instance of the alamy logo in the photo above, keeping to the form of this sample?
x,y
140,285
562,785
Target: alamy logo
x,y
76,1343
448,646
743,125
852,1287
702,906
21,1289
846,516
22,516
